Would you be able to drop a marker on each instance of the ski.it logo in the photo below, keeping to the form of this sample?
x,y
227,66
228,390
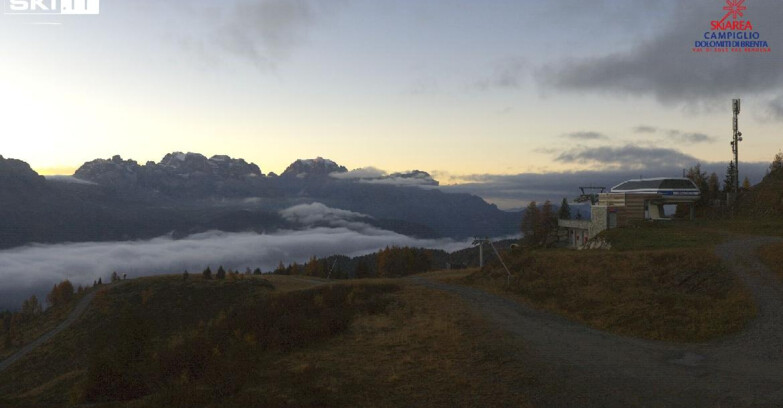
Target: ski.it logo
x,y
52,6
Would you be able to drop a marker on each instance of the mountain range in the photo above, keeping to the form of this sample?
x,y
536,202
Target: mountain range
x,y
116,199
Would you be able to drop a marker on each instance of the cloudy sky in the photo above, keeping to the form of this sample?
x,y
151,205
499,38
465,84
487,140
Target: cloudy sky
x,y
468,90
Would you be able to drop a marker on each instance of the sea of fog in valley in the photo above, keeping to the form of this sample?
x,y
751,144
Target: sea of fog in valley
x,y
35,268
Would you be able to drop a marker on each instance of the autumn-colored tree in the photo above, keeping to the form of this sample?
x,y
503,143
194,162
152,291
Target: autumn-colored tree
x,y
313,267
538,224
13,337
362,270
61,294
746,184
713,186
31,307
548,219
293,269
777,162
530,223
396,261
700,179
280,270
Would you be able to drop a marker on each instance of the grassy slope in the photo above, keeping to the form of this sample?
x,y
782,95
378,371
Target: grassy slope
x,y
660,281
414,347
663,235
772,256
38,326
46,376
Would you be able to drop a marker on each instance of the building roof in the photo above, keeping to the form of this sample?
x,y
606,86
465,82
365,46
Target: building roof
x,y
666,186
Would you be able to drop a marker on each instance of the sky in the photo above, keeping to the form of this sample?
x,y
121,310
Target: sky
x,y
471,91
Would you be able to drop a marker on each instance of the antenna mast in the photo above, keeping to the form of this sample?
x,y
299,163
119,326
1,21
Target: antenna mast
x,y
735,105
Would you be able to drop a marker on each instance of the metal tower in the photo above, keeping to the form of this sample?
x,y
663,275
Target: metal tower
x,y
735,144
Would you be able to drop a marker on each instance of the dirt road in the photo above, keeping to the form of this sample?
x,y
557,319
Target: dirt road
x,y
581,367
75,313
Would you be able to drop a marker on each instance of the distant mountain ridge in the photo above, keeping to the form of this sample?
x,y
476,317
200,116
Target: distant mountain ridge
x,y
313,168
185,193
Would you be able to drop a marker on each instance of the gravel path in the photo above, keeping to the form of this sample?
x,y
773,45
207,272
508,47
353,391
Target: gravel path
x,y
577,366
75,313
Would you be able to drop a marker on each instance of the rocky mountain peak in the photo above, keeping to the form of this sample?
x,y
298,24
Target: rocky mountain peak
x,y
16,173
114,171
313,167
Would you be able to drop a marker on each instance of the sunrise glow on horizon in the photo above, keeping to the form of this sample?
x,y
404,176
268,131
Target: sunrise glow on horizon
x,y
451,87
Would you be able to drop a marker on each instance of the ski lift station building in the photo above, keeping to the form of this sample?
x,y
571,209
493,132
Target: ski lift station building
x,y
629,202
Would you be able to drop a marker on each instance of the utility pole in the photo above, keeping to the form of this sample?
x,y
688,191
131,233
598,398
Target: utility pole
x,y
735,104
480,242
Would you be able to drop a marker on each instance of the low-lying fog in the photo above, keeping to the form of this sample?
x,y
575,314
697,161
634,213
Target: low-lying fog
x,y
34,269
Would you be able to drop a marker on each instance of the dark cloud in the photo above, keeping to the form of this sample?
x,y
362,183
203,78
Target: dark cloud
x,y
586,136
265,32
645,129
666,68
775,108
629,157
339,232
689,138
509,74
516,191
677,136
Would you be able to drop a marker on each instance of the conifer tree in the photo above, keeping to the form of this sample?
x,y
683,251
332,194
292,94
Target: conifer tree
x,y
728,180
564,213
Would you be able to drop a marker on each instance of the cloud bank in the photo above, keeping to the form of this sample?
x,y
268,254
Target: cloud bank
x,y
517,190
372,175
34,269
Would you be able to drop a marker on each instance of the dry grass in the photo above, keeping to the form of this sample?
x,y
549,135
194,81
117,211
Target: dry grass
x,y
663,235
285,283
772,256
682,295
422,348
428,350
